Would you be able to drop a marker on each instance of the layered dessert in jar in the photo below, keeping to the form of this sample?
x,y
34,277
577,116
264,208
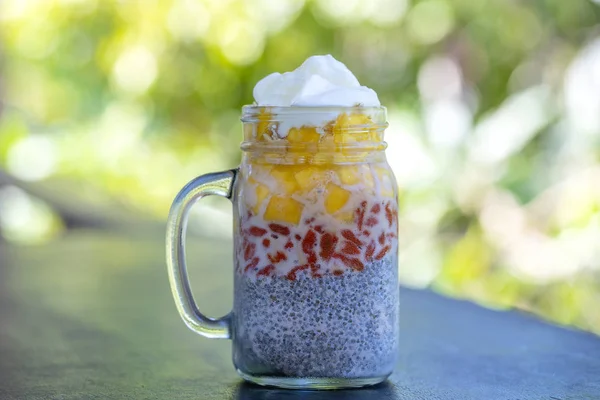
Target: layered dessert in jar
x,y
316,235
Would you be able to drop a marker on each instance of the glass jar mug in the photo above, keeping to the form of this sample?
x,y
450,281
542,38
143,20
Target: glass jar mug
x,y
316,294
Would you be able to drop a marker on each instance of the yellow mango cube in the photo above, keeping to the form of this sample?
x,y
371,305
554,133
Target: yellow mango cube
x,y
283,209
325,150
303,143
310,177
353,127
375,136
285,178
264,126
305,134
351,138
321,158
327,142
336,198
346,120
349,174
350,132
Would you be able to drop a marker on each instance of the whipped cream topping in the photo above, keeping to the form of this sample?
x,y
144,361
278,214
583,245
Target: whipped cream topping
x,y
321,81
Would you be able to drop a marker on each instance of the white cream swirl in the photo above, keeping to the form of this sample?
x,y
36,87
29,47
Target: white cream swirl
x,y
321,81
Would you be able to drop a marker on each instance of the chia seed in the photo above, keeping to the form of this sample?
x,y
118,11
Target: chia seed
x,y
334,326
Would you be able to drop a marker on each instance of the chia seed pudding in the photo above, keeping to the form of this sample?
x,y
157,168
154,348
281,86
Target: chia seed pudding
x,y
335,326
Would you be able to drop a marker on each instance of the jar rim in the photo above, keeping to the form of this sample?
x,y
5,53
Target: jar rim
x,y
251,112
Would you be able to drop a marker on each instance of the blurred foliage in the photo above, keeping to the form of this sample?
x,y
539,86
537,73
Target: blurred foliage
x,y
494,108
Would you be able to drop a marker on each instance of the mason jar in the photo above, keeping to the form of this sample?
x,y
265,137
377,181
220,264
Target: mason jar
x,y
316,294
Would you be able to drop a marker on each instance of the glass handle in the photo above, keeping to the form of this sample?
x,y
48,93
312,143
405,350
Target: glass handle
x,y
219,184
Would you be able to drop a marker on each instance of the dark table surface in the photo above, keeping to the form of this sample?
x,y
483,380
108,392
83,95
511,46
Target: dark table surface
x,y
92,317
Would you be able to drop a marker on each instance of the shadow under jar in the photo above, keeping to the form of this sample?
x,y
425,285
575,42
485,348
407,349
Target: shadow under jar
x,y
316,294
316,247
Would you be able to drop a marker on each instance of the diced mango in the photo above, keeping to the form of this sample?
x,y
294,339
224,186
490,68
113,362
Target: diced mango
x,y
349,174
349,143
346,120
345,143
303,143
327,144
339,158
322,158
285,178
294,158
352,126
283,209
350,132
305,134
310,177
375,136
324,151
351,138
336,198
264,126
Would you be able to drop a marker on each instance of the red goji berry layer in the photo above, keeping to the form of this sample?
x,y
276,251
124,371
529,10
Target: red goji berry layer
x,y
311,248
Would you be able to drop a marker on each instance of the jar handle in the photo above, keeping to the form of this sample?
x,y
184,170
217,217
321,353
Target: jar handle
x,y
219,184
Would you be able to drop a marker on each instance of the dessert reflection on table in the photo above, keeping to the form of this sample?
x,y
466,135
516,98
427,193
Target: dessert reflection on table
x,y
247,391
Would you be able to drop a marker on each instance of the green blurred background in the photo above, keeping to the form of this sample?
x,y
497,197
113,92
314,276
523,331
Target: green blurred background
x,y
109,107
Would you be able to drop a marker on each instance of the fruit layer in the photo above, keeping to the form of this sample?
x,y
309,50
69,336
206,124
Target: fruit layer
x,y
317,219
332,209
